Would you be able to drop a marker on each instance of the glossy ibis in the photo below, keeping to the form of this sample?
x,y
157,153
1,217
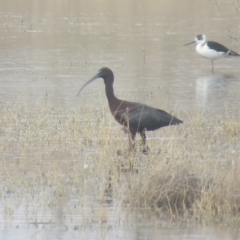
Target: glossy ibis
x,y
211,50
136,117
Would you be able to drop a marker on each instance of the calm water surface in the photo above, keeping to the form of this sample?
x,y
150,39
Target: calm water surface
x,y
48,49
119,226
51,49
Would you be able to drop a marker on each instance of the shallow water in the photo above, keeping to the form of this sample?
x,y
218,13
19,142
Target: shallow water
x,y
49,51
50,48
58,225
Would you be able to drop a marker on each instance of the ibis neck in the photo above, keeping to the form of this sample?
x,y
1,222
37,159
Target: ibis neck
x,y
110,92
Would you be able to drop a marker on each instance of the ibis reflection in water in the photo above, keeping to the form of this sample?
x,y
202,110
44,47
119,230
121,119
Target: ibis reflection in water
x,y
211,50
136,117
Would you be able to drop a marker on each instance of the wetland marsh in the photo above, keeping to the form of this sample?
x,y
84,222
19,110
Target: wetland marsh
x,y
61,174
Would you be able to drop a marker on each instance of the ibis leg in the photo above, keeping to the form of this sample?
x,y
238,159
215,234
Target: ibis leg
x,y
144,139
143,135
131,138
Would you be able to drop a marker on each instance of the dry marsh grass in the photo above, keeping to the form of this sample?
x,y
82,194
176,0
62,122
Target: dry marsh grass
x,y
68,160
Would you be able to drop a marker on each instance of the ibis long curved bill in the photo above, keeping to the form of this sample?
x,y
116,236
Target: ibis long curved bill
x,y
88,82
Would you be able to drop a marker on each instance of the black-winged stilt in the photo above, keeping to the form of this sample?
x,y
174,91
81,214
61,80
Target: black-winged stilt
x,y
211,50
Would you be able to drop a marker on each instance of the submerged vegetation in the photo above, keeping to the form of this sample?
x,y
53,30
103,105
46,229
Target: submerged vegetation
x,y
72,160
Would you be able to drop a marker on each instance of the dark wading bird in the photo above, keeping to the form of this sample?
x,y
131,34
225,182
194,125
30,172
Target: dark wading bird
x,y
136,117
211,50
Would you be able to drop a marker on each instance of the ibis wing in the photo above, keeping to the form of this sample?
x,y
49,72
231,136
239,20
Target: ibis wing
x,y
149,118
